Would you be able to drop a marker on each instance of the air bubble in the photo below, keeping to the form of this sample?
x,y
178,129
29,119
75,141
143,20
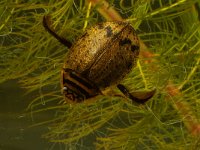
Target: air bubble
x,y
64,88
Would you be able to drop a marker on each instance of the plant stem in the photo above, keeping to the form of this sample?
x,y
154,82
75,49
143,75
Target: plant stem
x,y
108,12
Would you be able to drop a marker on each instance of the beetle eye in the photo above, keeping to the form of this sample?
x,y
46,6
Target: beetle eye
x,y
64,88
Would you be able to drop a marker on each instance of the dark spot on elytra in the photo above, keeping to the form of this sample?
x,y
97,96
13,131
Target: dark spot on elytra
x,y
124,41
134,48
109,31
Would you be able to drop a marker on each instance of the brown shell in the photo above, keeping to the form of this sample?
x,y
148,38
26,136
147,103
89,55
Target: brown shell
x,y
105,53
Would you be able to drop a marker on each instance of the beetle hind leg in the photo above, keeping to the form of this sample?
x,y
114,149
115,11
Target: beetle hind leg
x,y
46,24
139,97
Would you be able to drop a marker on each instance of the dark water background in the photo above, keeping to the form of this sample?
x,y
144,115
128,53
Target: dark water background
x,y
15,133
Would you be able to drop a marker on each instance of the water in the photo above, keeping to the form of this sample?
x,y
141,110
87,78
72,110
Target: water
x,y
15,133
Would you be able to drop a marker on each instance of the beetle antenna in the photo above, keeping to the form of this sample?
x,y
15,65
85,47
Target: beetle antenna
x,y
59,38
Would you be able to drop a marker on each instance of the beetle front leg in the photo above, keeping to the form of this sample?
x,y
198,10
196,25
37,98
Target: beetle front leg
x,y
139,97
47,26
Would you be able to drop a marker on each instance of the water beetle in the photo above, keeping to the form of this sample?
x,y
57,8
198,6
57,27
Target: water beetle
x,y
101,57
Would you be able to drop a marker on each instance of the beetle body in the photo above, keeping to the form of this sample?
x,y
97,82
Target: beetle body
x,y
101,57
105,53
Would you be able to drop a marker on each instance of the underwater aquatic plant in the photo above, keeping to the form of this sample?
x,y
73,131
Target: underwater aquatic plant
x,y
169,33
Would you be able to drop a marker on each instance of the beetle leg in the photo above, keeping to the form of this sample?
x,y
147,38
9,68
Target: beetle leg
x,y
46,22
140,97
